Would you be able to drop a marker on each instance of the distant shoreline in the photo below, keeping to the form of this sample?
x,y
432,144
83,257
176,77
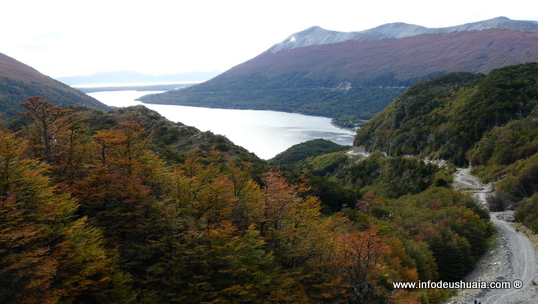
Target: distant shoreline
x,y
134,87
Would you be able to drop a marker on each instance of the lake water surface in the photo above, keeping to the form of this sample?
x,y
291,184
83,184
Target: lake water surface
x,y
266,133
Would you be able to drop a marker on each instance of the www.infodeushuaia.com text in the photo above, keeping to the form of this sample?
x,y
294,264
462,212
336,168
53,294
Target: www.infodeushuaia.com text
x,y
517,284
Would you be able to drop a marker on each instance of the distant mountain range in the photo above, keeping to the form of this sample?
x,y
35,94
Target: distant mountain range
x,y
130,77
353,76
18,82
318,36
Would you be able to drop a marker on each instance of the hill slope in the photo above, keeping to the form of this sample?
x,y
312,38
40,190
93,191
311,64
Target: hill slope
x,y
330,74
489,122
447,115
19,82
302,151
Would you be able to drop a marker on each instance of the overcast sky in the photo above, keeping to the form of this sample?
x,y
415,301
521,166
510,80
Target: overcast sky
x,y
82,37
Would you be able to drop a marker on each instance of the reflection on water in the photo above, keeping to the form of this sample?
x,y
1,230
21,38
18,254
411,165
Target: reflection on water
x,y
266,133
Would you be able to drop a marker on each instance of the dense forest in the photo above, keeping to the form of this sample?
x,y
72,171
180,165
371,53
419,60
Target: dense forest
x,y
487,121
125,207
443,117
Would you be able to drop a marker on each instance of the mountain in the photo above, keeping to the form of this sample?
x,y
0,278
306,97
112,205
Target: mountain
x,y
353,76
446,116
130,77
19,82
488,122
318,36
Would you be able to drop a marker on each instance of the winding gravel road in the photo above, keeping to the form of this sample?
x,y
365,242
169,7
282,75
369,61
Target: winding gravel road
x,y
511,260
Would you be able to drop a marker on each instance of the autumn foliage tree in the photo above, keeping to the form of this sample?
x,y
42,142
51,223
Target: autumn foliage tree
x,y
93,214
119,195
47,255
49,121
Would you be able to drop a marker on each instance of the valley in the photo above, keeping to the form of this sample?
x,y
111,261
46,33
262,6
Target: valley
x,y
265,133
428,122
106,200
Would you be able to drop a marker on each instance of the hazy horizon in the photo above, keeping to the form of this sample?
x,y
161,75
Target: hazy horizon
x,y
134,78
62,38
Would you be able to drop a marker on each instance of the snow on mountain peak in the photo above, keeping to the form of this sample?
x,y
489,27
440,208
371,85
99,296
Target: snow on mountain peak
x,y
311,36
319,36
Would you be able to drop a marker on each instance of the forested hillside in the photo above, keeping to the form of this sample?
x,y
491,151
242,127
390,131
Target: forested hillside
x,y
487,121
111,208
307,149
445,116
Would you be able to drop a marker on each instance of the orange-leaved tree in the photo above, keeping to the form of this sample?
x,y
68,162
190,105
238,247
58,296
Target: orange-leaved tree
x,y
363,256
214,255
47,254
123,193
48,122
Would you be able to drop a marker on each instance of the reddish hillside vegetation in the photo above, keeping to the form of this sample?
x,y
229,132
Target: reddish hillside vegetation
x,y
19,82
403,60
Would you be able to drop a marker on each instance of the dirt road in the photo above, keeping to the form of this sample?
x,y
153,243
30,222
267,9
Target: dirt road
x,y
511,261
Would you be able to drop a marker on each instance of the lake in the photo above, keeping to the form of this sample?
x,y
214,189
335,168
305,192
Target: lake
x,y
265,133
